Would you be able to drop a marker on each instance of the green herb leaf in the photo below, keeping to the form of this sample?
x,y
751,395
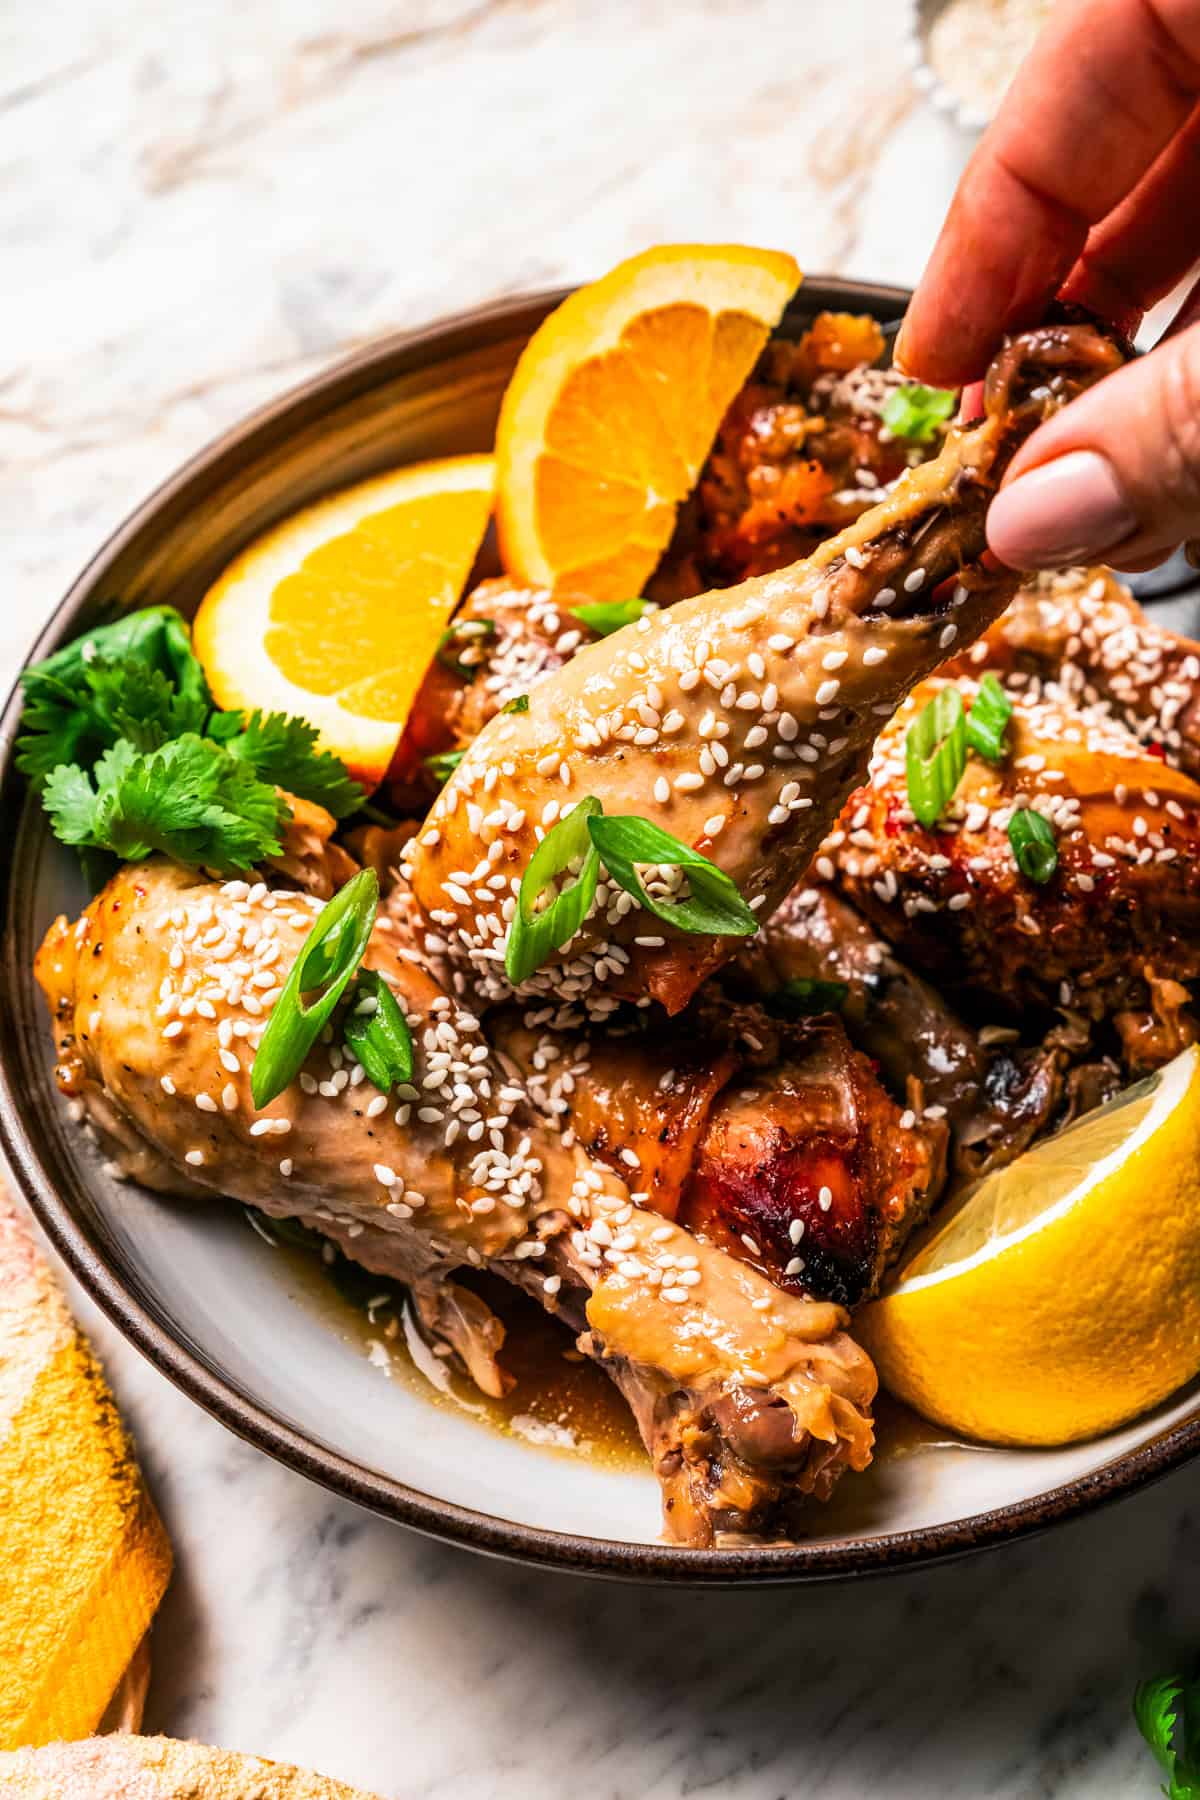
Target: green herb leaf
x,y
443,764
915,412
988,719
186,799
194,783
1033,844
801,997
1155,1708
328,958
283,750
714,907
518,704
377,1031
537,931
607,616
460,638
77,703
935,754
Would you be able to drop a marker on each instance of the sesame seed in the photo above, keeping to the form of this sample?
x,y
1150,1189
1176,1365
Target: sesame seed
x,y
173,1029
286,1166
873,655
827,691
167,1085
206,1103
195,1158
914,581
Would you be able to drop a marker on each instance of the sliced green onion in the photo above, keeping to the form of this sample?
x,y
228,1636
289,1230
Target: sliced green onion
x,y
378,1033
1033,844
328,958
443,764
463,632
536,932
518,704
935,754
715,907
986,722
915,412
607,616
802,996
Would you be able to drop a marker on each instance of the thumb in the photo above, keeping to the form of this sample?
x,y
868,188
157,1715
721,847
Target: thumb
x,y
1115,475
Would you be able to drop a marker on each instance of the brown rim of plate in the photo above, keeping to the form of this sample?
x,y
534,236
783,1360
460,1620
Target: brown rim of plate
x,y
53,1186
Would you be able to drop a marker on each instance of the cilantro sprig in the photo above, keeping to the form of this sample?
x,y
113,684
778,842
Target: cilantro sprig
x,y
130,755
1167,1710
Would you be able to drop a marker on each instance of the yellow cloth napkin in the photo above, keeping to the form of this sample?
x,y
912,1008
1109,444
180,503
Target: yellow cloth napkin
x,y
84,1559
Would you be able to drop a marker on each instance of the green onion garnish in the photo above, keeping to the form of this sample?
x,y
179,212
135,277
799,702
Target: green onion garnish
x,y
802,996
328,958
989,715
518,704
915,412
377,1032
464,633
935,754
607,616
715,907
1033,844
442,763
536,932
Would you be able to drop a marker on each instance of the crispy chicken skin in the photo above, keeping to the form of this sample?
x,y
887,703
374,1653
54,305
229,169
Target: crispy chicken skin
x,y
1084,632
771,1138
749,1399
739,720
1115,931
994,1101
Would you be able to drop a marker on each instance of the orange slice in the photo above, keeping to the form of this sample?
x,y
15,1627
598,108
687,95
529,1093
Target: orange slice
x,y
336,612
614,405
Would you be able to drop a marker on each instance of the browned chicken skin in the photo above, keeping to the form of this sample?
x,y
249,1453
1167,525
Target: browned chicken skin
x,y
748,1398
1112,935
994,1100
773,1139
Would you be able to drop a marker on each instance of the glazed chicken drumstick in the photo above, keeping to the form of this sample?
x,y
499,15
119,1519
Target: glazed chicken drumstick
x,y
748,1398
740,720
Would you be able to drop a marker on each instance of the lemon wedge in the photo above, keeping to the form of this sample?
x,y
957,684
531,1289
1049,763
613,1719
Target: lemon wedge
x,y
1061,1297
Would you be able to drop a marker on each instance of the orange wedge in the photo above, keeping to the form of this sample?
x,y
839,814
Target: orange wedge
x,y
614,405
336,612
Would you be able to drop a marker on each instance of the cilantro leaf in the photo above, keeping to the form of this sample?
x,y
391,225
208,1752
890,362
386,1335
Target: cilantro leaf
x,y
915,412
187,799
284,750
71,801
136,678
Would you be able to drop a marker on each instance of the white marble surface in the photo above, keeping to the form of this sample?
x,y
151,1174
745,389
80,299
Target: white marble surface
x,y
199,203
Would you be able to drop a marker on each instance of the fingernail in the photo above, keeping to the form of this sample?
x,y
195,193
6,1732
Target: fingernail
x,y
1064,512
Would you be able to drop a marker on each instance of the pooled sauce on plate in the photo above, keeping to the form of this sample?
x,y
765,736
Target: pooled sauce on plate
x,y
559,1401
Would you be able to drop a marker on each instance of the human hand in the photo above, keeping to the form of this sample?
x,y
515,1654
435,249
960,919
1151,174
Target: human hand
x,y
1086,184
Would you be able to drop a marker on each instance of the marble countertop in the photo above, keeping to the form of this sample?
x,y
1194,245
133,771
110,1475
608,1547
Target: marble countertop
x,y
202,204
